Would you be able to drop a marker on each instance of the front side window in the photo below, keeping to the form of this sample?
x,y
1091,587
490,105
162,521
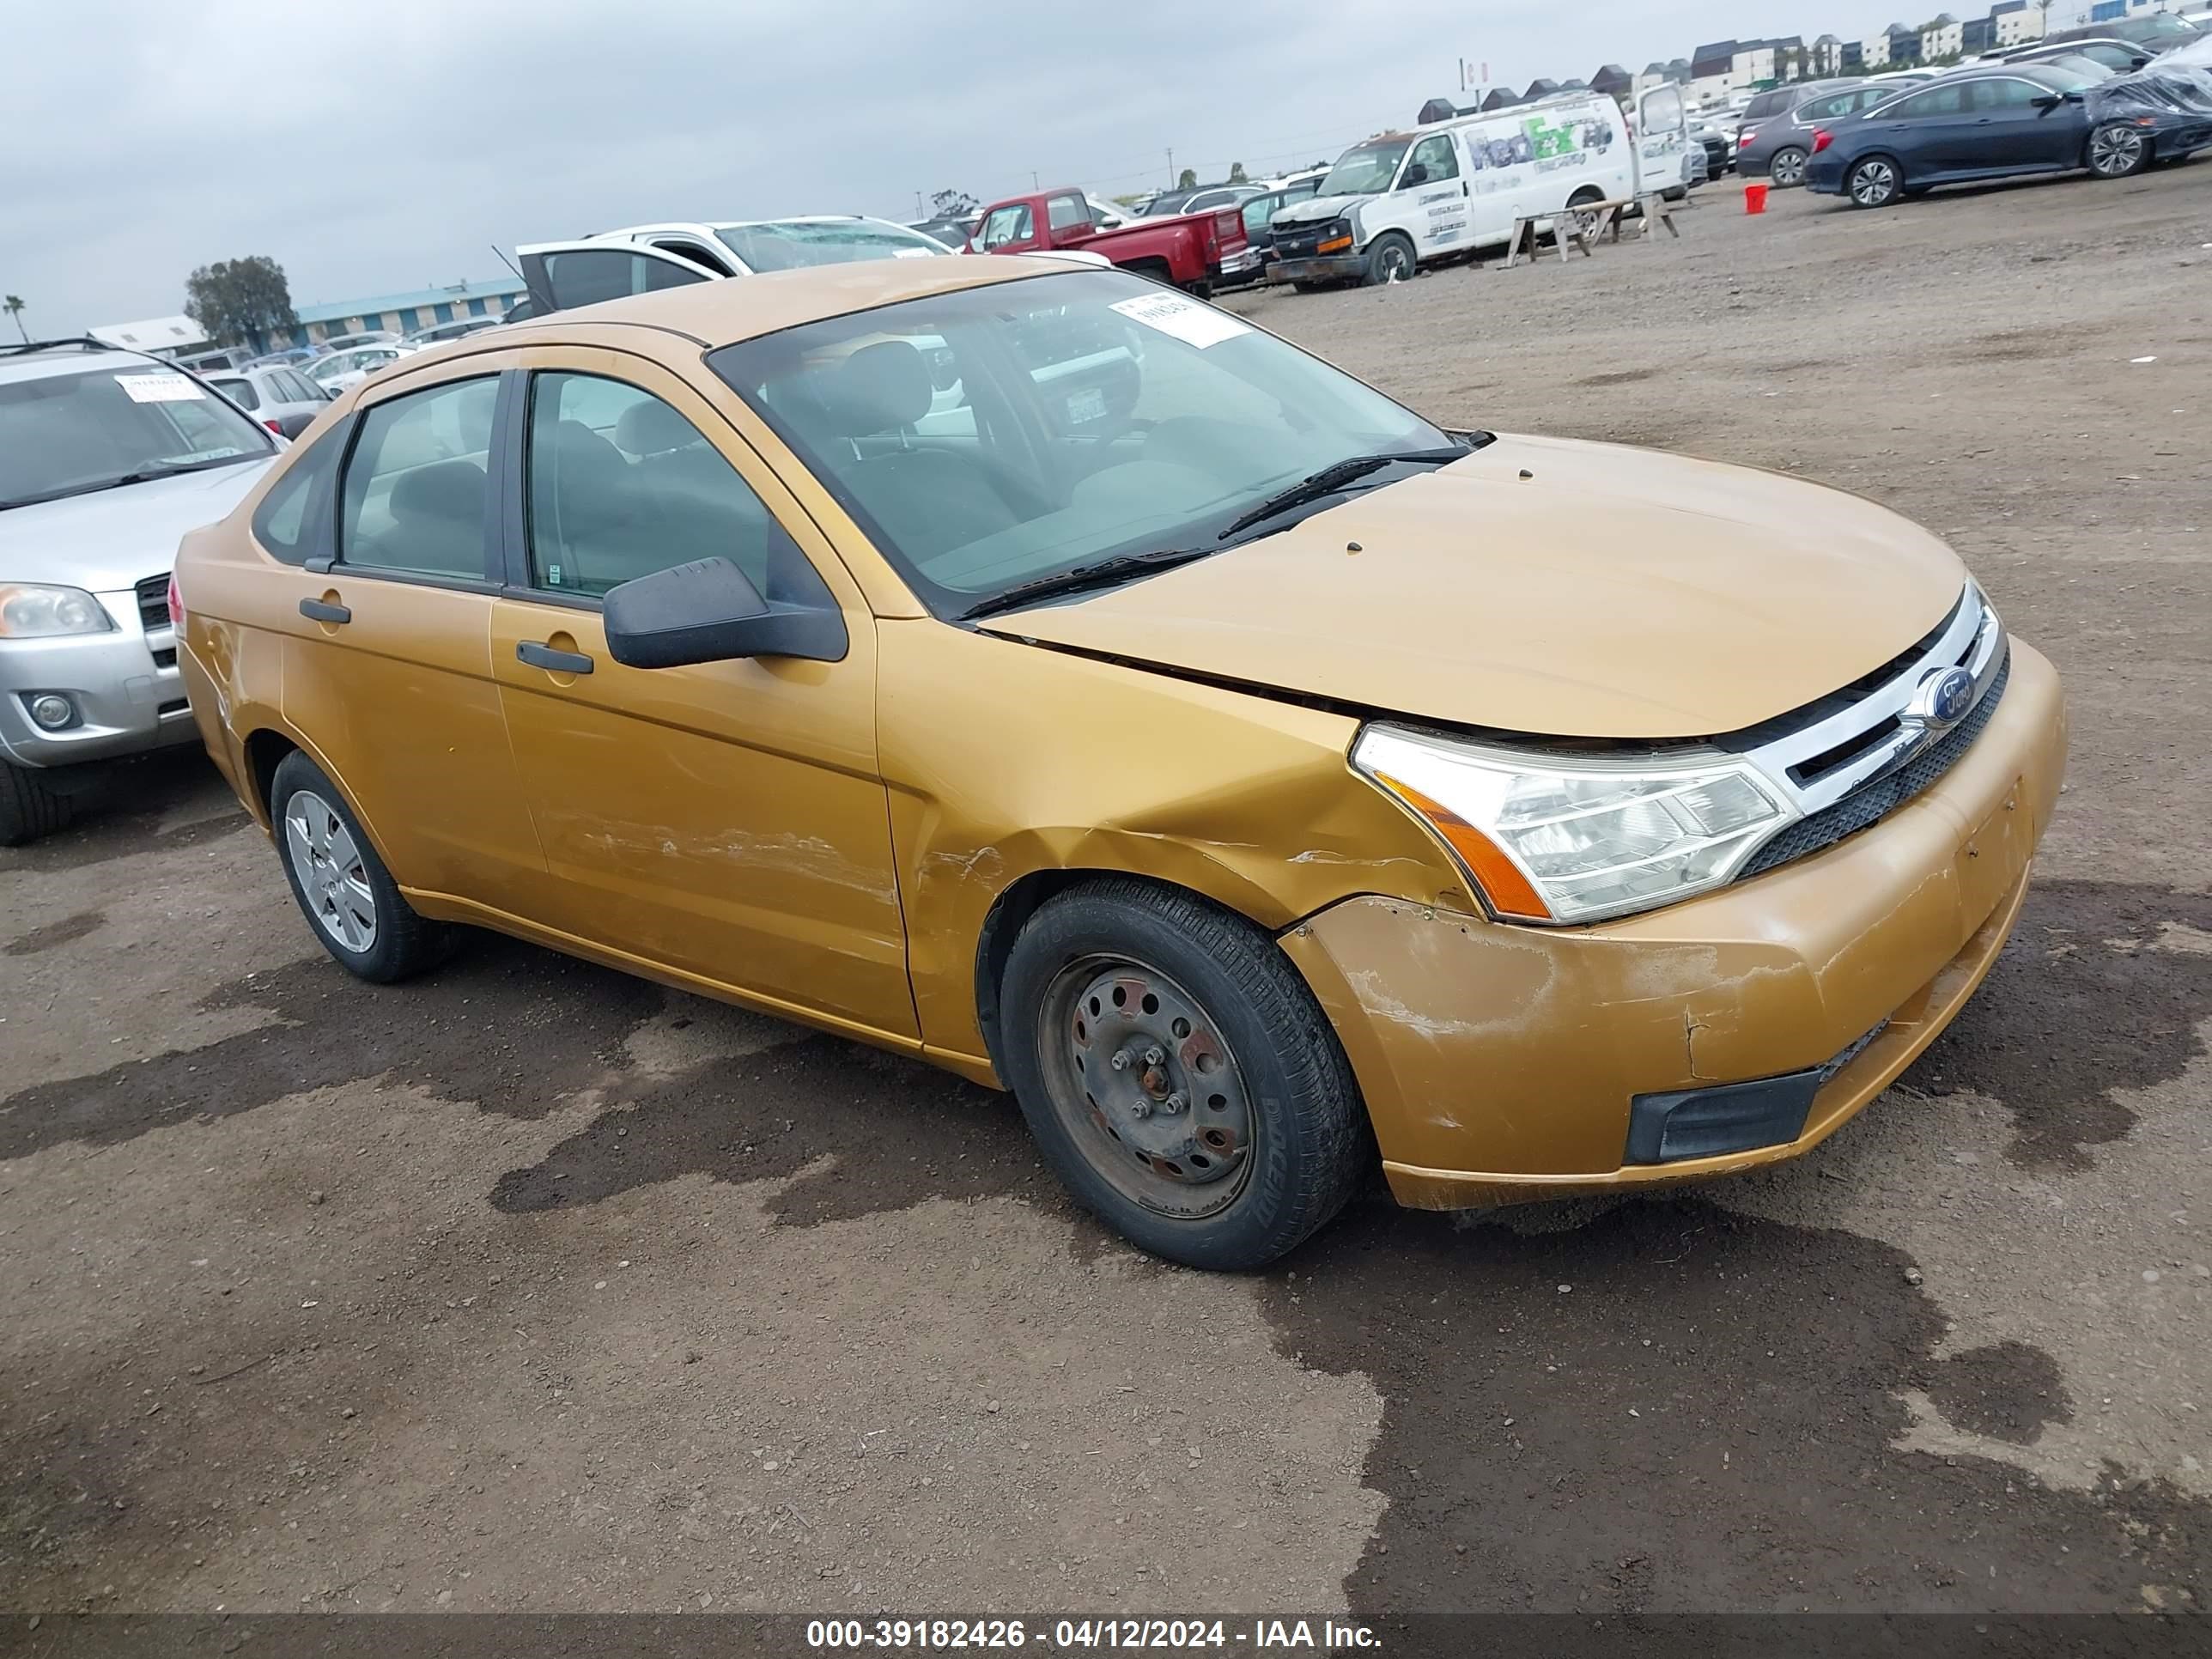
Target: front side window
x,y
1013,223
622,485
417,484
1365,169
1438,156
790,244
1011,432
2012,95
69,435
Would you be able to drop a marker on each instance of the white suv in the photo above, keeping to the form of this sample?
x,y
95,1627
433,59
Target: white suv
x,y
107,457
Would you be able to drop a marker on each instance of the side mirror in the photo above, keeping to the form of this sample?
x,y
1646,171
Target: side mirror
x,y
709,610
2048,100
1416,175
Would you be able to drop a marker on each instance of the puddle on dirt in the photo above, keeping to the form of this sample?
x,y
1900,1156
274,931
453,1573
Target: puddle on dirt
x,y
1674,1407
2084,1001
54,934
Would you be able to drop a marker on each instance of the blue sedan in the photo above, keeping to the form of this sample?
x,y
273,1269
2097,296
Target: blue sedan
x,y
2000,123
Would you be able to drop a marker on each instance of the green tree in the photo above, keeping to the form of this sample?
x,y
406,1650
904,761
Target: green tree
x,y
13,305
1187,181
241,301
1235,172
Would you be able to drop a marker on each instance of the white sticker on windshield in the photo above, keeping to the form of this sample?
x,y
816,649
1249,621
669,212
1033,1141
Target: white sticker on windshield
x,y
159,389
913,252
1187,320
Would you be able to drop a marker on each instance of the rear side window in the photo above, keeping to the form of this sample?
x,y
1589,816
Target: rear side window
x,y
584,277
1936,100
283,523
417,485
1764,104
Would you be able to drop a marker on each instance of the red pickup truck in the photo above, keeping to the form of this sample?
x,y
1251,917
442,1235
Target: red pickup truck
x,y
1193,251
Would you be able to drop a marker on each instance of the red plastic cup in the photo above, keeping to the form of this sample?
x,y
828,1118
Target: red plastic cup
x,y
1755,199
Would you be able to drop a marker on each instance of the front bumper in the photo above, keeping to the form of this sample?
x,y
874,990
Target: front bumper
x,y
1331,268
1501,1063
124,684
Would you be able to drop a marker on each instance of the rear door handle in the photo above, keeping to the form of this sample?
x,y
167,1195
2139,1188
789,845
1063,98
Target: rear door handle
x,y
540,655
323,612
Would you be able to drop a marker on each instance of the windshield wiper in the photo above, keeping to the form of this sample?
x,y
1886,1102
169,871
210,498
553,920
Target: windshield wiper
x,y
1120,568
143,475
1319,486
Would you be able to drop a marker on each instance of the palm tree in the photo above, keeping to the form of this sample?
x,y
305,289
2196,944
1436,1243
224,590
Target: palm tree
x,y
13,305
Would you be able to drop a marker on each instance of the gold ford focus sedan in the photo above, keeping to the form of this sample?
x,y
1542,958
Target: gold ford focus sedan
x,y
1037,671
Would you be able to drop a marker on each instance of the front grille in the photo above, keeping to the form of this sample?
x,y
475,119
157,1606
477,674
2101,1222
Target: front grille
x,y
154,603
1874,800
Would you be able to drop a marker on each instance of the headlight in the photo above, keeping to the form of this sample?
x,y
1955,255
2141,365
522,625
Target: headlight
x,y
1552,838
29,612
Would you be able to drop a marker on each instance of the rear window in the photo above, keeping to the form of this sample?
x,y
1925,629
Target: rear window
x,y
238,390
1766,104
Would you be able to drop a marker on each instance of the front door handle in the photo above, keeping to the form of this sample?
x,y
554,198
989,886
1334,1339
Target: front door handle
x,y
540,655
322,611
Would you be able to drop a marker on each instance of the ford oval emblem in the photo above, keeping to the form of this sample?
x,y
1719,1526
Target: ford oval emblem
x,y
1942,700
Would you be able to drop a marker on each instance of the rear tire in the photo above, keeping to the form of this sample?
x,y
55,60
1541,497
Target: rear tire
x,y
1233,1128
30,807
1875,182
2118,149
1786,171
1390,258
348,897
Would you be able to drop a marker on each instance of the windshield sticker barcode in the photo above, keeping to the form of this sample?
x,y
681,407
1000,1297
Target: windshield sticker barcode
x,y
1186,320
159,389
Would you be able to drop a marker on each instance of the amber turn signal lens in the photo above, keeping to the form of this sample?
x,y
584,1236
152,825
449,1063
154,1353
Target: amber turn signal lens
x,y
1502,884
1334,244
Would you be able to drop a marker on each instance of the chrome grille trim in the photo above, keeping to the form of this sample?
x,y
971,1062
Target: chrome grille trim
x,y
1878,744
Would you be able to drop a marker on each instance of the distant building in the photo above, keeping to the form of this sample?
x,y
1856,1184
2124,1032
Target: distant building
x,y
1826,56
1574,85
1539,87
1712,71
1613,81
1500,98
1944,38
401,313
2017,23
1676,70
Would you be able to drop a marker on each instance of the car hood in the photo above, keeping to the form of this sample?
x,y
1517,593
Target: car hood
x,y
1317,209
112,539
1547,588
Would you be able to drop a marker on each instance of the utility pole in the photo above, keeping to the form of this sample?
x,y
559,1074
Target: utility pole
x,y
918,212
1033,185
1171,172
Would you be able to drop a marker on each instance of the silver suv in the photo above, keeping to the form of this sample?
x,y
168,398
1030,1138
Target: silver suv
x,y
107,457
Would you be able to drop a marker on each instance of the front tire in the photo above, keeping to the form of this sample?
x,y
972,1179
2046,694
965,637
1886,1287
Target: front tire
x,y
1390,258
1874,183
344,890
1178,1075
2118,149
1787,170
30,807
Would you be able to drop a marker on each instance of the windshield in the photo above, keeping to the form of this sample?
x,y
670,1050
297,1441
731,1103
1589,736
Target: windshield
x,y
1365,169
2088,67
2160,28
989,437
792,243
64,435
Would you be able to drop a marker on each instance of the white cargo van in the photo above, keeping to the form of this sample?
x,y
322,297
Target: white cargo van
x,y
1406,199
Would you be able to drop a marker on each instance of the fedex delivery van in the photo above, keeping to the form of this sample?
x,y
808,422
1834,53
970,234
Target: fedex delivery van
x,y
1443,191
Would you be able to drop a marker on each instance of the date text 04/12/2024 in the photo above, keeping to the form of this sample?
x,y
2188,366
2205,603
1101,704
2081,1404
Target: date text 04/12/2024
x,y
1071,1635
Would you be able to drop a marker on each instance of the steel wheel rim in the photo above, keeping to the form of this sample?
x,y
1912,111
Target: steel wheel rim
x,y
1171,1127
1788,169
333,877
1395,264
1872,183
2114,150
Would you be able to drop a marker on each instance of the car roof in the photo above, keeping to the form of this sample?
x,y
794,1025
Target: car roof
x,y
43,359
715,314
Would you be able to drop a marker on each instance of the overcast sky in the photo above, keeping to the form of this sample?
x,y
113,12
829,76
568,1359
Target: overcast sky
x,y
373,149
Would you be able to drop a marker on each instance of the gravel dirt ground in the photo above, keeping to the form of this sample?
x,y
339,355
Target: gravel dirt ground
x,y
532,1287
